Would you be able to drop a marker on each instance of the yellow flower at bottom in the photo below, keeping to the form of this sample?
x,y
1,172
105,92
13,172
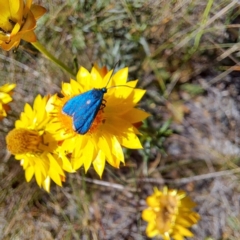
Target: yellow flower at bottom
x,y
5,98
169,214
31,143
113,125
17,21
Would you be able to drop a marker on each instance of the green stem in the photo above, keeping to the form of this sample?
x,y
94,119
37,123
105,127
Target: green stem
x,y
48,55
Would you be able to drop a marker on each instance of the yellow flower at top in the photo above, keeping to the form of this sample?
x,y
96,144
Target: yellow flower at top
x,y
169,214
5,98
31,143
109,129
17,21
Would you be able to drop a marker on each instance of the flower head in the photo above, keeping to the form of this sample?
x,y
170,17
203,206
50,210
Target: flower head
x,y
31,143
5,98
17,21
110,128
169,214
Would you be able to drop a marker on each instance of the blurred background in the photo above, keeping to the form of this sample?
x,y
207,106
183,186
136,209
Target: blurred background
x,y
186,54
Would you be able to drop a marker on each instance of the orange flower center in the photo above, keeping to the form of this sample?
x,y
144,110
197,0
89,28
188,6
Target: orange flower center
x,y
67,122
21,141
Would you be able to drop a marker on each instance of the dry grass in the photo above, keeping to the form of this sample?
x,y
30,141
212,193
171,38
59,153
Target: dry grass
x,y
186,54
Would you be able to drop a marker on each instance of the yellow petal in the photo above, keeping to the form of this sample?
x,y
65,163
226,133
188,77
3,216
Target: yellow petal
x,y
46,184
77,145
102,71
117,149
167,237
28,109
84,78
5,98
131,141
183,231
115,96
15,30
97,80
88,155
107,80
123,101
153,201
54,165
151,230
67,89
77,162
76,88
8,46
38,175
105,144
29,36
120,77
50,104
39,110
137,95
7,87
37,11
99,163
37,102
148,215
23,162
29,172
16,9
123,131
177,237
188,203
20,123
27,7
55,177
66,165
135,115
5,15
29,24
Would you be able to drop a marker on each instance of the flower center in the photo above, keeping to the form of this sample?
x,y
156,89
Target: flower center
x,y
167,213
21,141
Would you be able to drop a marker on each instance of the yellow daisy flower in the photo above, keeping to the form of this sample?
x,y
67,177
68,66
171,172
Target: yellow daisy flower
x,y
17,21
113,125
31,143
169,214
5,98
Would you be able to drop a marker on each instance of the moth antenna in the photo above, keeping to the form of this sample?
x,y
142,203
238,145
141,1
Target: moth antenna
x,y
112,72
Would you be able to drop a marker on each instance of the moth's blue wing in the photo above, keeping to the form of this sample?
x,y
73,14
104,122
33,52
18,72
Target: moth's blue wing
x,y
84,108
82,120
77,103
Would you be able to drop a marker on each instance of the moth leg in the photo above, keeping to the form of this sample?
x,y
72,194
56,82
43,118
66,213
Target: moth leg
x,y
103,105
